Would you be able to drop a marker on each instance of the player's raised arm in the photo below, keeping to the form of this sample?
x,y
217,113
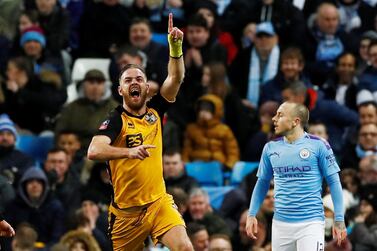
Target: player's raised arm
x,y
176,68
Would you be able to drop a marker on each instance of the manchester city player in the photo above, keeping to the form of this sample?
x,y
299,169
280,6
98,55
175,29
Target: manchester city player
x,y
298,162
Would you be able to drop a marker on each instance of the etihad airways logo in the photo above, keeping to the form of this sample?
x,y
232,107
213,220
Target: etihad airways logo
x,y
291,171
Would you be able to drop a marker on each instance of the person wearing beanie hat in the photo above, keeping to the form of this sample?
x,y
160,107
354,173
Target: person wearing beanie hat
x,y
33,33
12,161
6,124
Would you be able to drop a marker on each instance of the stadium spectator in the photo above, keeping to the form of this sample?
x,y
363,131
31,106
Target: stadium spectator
x,y
288,21
291,69
25,238
342,86
255,65
363,235
318,129
363,56
32,101
325,42
70,142
367,171
209,139
85,114
180,198
256,141
174,172
198,235
140,37
55,21
368,78
35,205
366,145
79,240
208,9
33,45
63,183
219,242
13,163
237,116
200,211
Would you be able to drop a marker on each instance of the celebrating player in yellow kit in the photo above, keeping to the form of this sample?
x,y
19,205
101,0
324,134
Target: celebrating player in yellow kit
x,y
130,139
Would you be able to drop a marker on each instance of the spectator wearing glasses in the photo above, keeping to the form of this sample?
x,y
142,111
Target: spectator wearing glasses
x,y
366,146
85,114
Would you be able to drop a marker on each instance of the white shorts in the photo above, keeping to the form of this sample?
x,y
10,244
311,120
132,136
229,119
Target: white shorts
x,y
306,236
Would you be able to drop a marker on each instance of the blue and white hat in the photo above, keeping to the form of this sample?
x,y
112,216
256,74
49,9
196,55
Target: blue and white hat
x,y
265,28
7,124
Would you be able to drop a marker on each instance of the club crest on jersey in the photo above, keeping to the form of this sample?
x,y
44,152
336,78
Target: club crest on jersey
x,y
304,153
150,118
104,125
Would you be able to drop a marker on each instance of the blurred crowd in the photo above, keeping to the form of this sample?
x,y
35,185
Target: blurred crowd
x,y
243,58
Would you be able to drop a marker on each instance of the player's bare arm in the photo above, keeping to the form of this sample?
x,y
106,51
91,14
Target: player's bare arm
x,y
100,149
176,68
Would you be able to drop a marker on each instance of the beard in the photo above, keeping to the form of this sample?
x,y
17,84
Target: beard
x,y
136,106
4,150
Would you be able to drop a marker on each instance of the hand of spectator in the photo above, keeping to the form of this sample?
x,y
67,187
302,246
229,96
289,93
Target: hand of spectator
x,y
139,152
339,232
12,86
252,227
6,230
196,57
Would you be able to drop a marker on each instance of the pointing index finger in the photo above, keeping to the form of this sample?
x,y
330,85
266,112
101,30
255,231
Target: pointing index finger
x,y
170,25
149,146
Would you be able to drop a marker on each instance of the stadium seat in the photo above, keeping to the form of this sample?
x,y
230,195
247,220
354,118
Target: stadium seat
x,y
240,170
216,195
80,67
35,146
206,173
160,38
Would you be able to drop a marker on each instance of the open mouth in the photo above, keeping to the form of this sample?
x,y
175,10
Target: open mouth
x,y
135,91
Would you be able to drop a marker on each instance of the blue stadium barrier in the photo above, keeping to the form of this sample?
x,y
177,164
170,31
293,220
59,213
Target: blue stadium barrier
x,y
206,173
35,146
216,195
161,38
240,170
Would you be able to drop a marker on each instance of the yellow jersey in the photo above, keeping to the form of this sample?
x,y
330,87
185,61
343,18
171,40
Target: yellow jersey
x,y
136,182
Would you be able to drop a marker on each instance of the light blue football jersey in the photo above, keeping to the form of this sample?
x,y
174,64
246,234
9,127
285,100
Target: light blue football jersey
x,y
298,169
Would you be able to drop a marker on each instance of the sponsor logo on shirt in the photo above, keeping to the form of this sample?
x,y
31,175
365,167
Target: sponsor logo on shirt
x,y
133,140
291,171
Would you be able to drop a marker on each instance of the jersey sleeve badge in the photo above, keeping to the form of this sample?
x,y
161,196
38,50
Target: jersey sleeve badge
x,y
104,125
